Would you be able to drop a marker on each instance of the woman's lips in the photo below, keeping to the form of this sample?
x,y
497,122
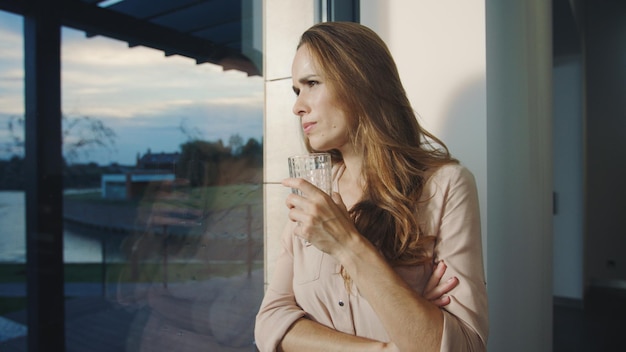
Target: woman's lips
x,y
306,127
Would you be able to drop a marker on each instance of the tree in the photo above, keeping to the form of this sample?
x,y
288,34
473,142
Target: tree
x,y
81,135
192,133
12,174
235,142
200,160
253,150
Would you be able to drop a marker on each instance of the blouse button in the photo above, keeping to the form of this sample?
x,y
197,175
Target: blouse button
x,y
340,303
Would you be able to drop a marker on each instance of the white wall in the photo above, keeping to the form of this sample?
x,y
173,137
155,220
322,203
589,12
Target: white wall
x,y
568,179
283,23
519,170
439,47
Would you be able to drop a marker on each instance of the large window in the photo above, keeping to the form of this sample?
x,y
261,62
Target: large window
x,y
162,198
12,201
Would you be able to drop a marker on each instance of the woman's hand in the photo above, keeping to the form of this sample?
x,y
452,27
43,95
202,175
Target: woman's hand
x,y
435,291
390,347
322,220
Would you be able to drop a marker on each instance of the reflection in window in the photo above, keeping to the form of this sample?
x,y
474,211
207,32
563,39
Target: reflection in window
x,y
163,200
12,200
163,232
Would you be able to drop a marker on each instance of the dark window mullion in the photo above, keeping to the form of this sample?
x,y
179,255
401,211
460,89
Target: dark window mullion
x,y
44,165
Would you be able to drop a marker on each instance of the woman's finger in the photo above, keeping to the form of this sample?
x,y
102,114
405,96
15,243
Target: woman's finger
x,y
442,289
441,301
293,200
304,186
435,277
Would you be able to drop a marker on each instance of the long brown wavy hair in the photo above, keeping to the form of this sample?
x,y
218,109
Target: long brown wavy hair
x,y
397,152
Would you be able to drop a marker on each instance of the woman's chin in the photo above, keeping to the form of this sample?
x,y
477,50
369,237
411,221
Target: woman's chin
x,y
319,146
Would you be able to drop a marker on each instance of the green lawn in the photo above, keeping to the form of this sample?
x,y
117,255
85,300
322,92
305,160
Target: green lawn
x,y
120,271
11,304
205,198
151,272
213,197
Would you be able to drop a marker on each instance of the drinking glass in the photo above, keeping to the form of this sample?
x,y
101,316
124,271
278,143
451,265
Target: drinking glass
x,y
314,167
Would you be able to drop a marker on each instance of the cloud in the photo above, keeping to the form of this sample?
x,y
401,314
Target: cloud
x,y
11,65
113,80
138,92
11,34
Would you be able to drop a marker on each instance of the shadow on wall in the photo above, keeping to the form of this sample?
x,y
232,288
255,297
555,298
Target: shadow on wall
x,y
463,128
464,125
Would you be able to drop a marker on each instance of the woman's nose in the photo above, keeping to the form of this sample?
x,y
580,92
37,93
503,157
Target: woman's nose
x,y
300,107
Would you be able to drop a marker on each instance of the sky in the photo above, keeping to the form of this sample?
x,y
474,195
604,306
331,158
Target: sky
x,y
142,95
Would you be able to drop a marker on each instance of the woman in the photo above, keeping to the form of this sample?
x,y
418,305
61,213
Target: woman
x,y
354,270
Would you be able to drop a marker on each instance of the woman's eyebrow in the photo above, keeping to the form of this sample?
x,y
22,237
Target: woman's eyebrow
x,y
307,78
304,81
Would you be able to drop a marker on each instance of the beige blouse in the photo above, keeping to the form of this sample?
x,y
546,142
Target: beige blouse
x,y
307,282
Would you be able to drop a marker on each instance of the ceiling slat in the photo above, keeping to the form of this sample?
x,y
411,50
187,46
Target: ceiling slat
x,y
205,30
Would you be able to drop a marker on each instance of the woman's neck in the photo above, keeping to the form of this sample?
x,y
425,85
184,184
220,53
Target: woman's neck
x,y
351,183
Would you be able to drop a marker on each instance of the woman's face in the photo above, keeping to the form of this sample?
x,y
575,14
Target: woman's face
x,y
324,123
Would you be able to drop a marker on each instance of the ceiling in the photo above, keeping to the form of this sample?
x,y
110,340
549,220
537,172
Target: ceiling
x,y
214,31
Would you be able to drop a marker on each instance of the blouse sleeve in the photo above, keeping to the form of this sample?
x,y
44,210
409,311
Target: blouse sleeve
x,y
278,310
459,246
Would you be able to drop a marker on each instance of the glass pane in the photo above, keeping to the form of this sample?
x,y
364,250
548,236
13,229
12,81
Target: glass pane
x,y
12,201
163,200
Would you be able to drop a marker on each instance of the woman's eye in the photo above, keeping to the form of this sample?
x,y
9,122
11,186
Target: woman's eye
x,y
308,84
